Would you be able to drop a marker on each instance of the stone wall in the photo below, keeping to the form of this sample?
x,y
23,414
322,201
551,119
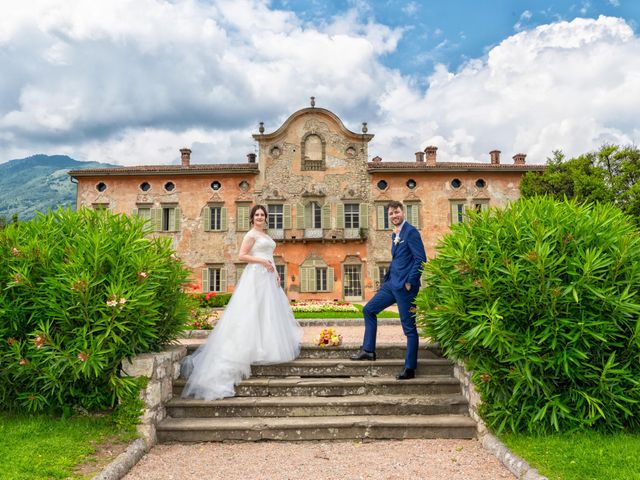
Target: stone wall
x,y
161,369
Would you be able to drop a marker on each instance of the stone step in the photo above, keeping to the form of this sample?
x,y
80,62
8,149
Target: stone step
x,y
332,387
315,428
344,351
318,406
339,367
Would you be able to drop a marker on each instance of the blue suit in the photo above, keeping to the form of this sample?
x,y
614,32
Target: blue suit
x,y
407,257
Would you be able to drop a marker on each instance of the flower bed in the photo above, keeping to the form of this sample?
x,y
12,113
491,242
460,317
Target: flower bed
x,y
318,306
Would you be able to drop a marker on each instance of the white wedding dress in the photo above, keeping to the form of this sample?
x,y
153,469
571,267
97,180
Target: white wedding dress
x,y
257,327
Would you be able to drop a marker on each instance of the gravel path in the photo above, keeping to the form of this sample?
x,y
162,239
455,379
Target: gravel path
x,y
405,459
371,460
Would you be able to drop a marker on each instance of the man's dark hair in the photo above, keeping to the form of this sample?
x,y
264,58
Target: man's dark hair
x,y
395,204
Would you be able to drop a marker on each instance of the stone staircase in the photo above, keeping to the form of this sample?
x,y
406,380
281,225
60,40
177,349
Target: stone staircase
x,y
323,395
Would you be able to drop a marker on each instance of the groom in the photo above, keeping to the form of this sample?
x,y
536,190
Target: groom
x,y
400,286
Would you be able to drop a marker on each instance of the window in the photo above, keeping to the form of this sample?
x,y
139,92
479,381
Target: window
x,y
413,214
145,186
281,272
411,183
169,186
351,215
352,281
456,183
480,205
276,217
312,218
167,218
379,273
101,187
316,215
316,276
382,185
214,279
215,218
458,210
279,220
382,218
313,152
480,183
321,279
216,185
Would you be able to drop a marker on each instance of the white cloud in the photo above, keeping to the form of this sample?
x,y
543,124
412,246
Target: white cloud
x,y
568,85
521,23
97,83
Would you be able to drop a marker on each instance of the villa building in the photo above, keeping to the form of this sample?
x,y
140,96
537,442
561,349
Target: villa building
x,y
326,204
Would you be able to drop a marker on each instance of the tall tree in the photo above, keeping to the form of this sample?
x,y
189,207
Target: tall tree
x,y
611,174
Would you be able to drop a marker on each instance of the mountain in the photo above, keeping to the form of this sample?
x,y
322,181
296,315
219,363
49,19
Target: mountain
x,y
38,183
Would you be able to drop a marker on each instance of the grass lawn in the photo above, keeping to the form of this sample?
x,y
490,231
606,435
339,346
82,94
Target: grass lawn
x,y
580,456
44,447
358,314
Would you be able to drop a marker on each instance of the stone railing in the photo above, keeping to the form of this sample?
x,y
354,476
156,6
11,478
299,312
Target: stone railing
x,y
161,369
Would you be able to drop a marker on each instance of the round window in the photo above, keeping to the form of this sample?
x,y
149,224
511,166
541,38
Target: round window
x,y
145,187
101,187
382,185
244,185
411,183
216,185
480,183
169,186
456,183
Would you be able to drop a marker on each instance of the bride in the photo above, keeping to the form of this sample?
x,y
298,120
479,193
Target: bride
x,y
257,326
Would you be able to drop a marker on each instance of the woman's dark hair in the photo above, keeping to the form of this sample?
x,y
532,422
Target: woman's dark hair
x,y
255,209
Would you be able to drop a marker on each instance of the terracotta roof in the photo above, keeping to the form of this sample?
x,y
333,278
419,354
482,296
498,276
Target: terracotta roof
x,y
448,166
193,169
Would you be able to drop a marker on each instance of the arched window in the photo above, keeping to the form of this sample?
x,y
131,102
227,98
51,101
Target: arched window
x,y
313,152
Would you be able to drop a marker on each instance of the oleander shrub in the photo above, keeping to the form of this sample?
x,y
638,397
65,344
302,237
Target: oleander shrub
x,y
541,301
80,292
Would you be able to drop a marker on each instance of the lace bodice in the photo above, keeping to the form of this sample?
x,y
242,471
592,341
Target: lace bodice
x,y
263,246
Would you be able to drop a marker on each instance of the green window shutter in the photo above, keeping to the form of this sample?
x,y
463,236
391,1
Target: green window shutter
x,y
287,216
326,216
206,218
330,274
242,218
304,279
156,218
340,215
413,214
364,215
300,213
205,279
454,212
177,216
223,219
223,279
380,217
311,274
307,216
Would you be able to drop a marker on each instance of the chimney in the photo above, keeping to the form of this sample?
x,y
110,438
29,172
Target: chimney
x,y
495,157
419,156
251,157
519,158
185,154
431,154
377,159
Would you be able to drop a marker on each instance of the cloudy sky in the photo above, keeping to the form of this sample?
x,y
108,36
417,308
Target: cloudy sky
x,y
132,81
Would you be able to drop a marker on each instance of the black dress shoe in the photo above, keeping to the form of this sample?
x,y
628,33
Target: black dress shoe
x,y
364,355
406,374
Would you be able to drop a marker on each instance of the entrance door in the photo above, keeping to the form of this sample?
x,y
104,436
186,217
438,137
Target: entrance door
x,y
352,283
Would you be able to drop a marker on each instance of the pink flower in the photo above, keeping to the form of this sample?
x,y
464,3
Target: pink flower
x,y
83,357
15,252
24,361
143,275
39,341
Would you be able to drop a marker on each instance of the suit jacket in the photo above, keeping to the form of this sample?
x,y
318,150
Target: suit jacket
x,y
407,257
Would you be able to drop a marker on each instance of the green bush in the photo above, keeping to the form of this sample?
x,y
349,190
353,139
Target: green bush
x,y
211,299
541,301
82,291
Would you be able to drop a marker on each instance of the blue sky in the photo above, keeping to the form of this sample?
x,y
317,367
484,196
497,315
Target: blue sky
x,y
133,81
